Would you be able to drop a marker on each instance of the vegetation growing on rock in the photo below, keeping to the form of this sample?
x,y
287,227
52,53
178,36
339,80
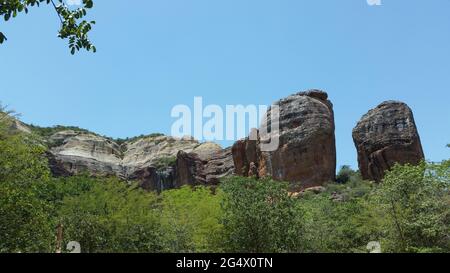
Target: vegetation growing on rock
x,y
47,132
164,162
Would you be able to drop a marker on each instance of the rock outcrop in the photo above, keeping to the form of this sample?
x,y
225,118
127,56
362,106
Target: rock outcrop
x,y
155,162
384,136
74,153
205,169
306,155
15,125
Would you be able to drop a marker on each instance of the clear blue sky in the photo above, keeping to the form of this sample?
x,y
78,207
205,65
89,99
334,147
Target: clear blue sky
x,y
153,54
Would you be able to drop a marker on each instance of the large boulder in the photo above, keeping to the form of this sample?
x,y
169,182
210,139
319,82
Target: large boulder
x,y
385,136
306,155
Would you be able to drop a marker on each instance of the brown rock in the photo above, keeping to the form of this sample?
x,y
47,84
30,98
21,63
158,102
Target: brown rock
x,y
246,157
384,136
191,169
218,165
154,179
306,156
315,190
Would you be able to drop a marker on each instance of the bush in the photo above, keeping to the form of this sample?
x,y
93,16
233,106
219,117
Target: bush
x,y
191,219
25,225
415,202
259,216
113,217
344,175
333,226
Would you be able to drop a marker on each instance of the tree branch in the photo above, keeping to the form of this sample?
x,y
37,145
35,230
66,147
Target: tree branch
x,y
56,9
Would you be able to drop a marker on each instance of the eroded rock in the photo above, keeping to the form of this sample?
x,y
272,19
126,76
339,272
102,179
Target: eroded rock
x,y
149,160
384,136
193,169
306,156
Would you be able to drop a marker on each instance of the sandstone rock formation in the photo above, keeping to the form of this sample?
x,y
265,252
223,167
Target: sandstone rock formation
x,y
76,153
384,136
306,156
149,160
206,169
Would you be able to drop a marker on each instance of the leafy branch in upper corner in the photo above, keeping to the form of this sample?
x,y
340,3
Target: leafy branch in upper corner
x,y
73,26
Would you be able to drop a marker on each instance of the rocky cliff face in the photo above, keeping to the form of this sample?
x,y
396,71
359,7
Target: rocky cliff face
x,y
149,160
306,156
384,136
75,153
204,169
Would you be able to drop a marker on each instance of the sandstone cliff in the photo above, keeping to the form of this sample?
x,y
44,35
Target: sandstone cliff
x,y
149,160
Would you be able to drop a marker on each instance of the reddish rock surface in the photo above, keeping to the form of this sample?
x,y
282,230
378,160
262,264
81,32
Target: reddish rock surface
x,y
306,156
384,136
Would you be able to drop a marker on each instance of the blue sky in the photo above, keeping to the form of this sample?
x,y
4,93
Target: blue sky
x,y
154,54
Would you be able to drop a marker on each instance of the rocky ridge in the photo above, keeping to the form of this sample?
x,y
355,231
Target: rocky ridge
x,y
305,157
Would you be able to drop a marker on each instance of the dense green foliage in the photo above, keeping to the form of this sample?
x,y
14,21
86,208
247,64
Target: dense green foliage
x,y
24,214
408,212
136,138
73,27
191,220
112,217
259,216
415,203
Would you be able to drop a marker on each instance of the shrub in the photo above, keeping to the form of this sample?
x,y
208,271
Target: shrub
x,y
191,219
415,202
113,217
25,225
259,216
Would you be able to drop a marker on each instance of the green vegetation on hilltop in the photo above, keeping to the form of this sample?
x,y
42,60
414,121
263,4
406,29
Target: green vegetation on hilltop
x,y
121,141
49,131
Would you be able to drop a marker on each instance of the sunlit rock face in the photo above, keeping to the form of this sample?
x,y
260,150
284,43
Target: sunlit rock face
x,y
384,136
306,156
151,160
77,153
